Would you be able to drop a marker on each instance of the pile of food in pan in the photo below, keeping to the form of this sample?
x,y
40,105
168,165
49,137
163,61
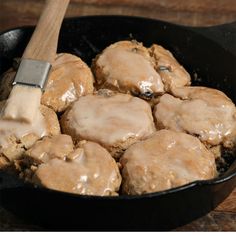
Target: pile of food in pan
x,y
130,125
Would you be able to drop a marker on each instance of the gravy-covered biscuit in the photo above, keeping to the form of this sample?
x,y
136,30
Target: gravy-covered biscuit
x,y
16,137
166,160
57,146
114,120
127,67
206,113
171,72
90,170
69,79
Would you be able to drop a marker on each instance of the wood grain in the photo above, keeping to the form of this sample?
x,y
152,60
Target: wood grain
x,y
192,12
229,205
214,221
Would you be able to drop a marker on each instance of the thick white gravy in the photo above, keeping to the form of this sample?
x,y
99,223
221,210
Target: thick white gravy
x,y
110,120
91,171
127,69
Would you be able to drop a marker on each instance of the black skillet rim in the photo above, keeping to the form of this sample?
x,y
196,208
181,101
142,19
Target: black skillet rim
x,y
189,186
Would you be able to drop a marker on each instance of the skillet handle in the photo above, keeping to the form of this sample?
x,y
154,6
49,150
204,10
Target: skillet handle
x,y
224,35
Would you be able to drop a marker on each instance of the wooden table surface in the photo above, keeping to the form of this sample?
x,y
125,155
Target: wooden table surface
x,y
188,12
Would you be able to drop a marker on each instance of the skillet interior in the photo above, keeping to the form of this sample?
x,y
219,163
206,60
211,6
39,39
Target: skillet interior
x,y
209,65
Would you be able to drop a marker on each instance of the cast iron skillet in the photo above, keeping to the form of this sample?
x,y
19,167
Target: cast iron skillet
x,y
209,54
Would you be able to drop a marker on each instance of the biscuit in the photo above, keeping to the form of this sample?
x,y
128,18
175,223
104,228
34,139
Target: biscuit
x,y
171,72
166,160
89,170
127,67
57,146
69,79
12,146
203,112
113,120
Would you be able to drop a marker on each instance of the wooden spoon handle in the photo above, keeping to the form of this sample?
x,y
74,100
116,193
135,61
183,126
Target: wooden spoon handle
x,y
43,43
